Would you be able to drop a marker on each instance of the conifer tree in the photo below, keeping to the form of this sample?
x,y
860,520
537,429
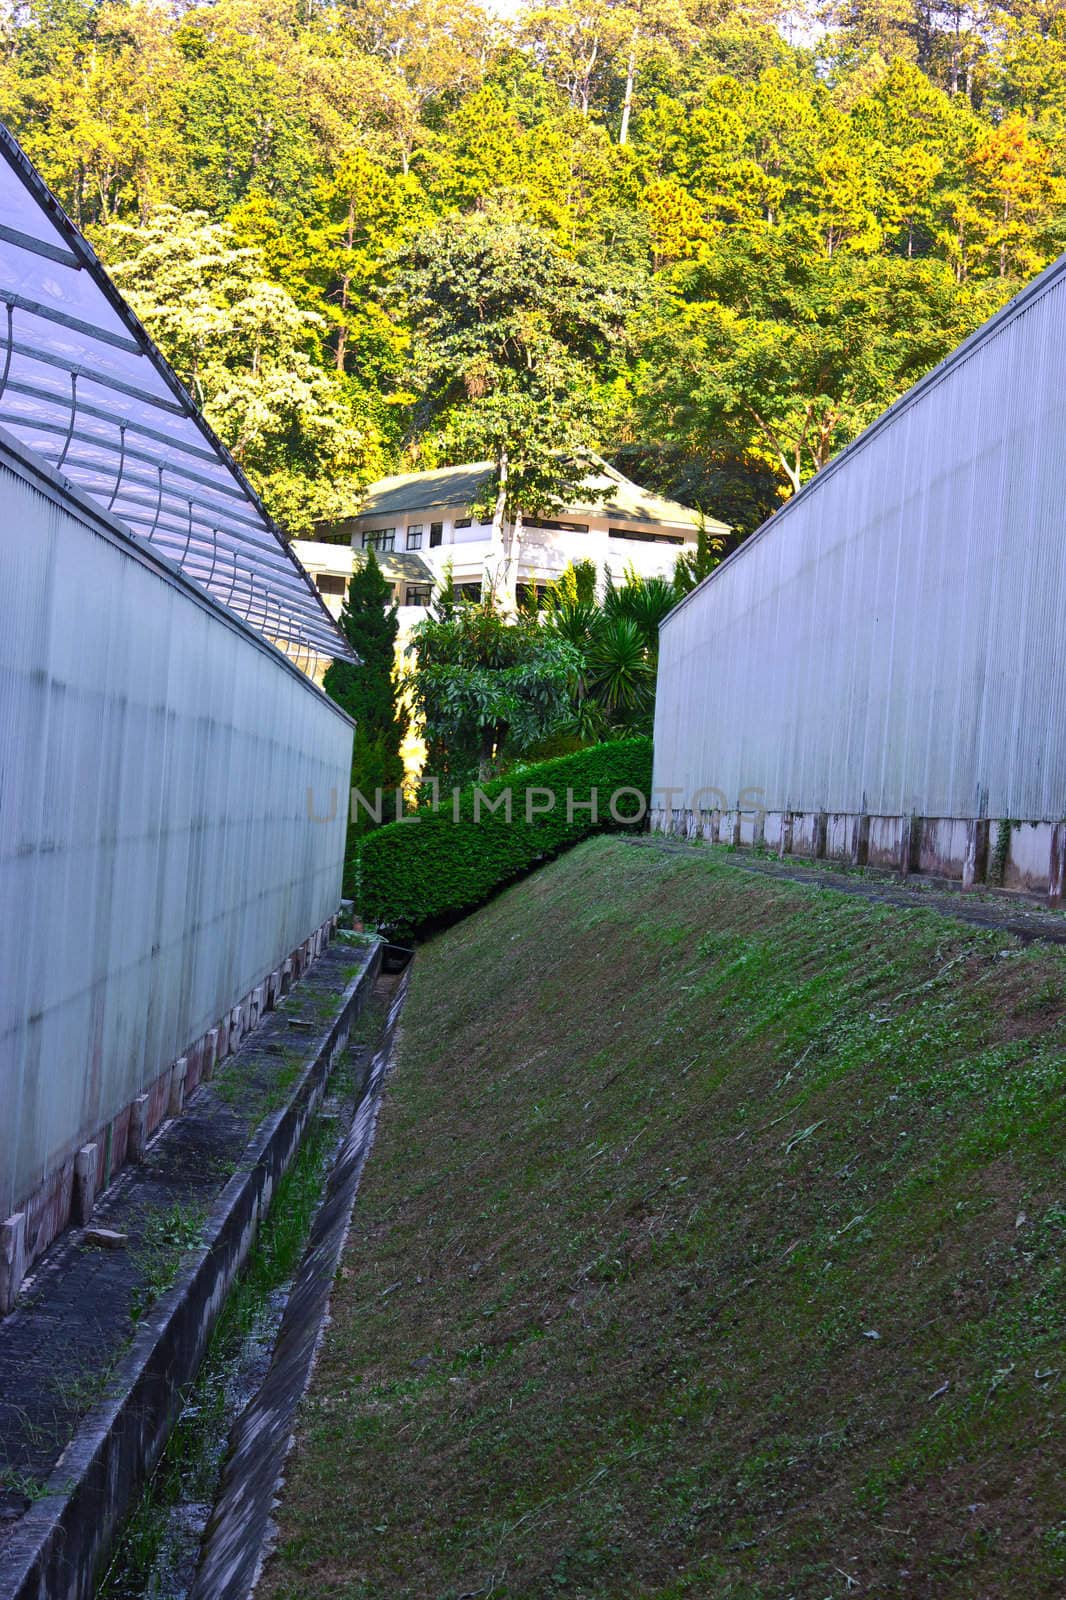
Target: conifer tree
x,y
368,692
693,566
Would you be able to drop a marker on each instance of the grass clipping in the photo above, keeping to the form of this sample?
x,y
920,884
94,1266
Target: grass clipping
x,y
711,1246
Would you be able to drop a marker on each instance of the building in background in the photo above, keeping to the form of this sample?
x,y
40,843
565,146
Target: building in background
x,y
330,568
431,516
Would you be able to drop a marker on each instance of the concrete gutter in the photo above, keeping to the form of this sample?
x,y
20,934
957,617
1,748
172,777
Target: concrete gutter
x,y
241,1526
60,1543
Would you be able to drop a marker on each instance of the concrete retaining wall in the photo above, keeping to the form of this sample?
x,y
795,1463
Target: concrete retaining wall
x,y
1029,857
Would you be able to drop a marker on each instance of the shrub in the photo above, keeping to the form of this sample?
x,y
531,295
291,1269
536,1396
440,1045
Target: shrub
x,y
426,871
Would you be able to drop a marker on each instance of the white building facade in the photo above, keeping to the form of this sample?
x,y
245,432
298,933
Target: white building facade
x,y
419,523
330,567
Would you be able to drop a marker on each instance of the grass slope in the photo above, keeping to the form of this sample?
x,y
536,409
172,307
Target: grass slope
x,y
711,1247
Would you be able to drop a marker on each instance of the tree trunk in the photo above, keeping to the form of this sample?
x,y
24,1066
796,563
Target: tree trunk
x,y
484,763
342,336
491,737
627,103
497,561
500,509
512,550
586,82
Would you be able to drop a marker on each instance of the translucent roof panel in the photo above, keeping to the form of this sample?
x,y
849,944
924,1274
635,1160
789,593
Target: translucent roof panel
x,y
83,386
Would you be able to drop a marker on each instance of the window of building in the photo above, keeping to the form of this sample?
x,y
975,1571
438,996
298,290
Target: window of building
x,y
464,522
468,591
329,583
436,533
414,537
530,596
418,594
379,539
646,538
558,527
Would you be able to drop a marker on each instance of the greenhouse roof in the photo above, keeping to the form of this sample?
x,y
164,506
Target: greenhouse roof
x,y
83,386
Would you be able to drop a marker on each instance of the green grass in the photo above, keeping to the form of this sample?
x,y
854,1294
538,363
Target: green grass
x,y
236,1085
24,1485
711,1246
166,1237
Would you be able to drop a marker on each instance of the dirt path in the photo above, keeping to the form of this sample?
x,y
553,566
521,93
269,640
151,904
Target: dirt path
x,y
1025,917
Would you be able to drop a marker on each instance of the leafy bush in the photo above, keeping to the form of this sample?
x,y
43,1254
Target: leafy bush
x,y
426,871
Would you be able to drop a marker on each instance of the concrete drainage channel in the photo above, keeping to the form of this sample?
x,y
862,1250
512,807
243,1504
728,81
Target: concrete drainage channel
x,y
239,1530
61,1543
235,1430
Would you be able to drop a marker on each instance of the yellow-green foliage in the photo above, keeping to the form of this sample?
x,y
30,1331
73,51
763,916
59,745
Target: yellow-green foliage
x,y
792,234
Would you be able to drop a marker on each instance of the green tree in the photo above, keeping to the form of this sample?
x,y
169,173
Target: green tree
x,y
811,352
367,692
1029,73
485,687
245,117
90,89
693,566
432,50
1006,219
251,358
511,336
576,585
650,227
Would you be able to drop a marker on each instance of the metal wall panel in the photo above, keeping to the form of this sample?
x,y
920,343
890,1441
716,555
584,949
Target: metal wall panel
x,y
891,642
157,855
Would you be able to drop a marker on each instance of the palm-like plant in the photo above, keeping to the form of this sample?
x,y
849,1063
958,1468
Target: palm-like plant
x,y
575,621
620,676
646,602
613,689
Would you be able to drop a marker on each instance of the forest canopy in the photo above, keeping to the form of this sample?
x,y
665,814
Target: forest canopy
x,y
735,232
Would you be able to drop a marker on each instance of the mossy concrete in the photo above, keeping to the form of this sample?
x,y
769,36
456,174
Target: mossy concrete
x,y
90,1338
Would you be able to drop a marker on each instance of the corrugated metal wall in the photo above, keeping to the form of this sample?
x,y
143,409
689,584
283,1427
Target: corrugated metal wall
x,y
892,641
157,857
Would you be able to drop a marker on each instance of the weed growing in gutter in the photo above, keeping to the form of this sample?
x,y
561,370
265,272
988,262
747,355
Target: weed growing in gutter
x,y
15,1482
233,1088
167,1238
158,1533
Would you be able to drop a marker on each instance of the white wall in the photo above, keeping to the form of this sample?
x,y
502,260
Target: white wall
x,y
543,552
892,642
157,859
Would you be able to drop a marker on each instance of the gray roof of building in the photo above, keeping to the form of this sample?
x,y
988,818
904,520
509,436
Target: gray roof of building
x,y
399,565
452,487
415,491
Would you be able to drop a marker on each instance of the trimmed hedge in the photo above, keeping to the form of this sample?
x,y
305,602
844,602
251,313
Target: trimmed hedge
x,y
426,871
